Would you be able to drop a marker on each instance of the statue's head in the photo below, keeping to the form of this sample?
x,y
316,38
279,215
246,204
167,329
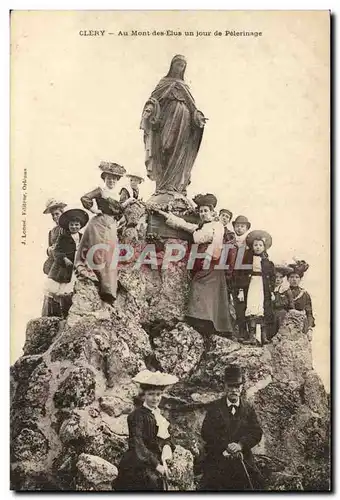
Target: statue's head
x,y
177,67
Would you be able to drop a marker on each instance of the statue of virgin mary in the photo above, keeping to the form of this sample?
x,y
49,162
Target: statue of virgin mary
x,y
173,130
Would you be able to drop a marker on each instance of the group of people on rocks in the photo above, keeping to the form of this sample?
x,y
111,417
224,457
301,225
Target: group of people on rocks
x,y
68,247
258,296
247,302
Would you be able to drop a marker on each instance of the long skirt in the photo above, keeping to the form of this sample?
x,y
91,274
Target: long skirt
x,y
57,298
209,300
101,230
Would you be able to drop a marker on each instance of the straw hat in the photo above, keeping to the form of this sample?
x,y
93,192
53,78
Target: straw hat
x,y
155,379
52,204
259,234
136,176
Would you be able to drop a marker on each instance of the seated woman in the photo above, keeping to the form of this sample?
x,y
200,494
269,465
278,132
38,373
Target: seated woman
x,y
283,296
259,311
102,229
208,303
301,298
61,279
55,208
144,465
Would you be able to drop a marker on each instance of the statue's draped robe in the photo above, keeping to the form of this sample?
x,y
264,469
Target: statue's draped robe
x,y
172,143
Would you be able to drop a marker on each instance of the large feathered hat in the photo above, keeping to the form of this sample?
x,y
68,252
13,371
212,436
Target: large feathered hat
x,y
205,200
298,267
283,269
107,167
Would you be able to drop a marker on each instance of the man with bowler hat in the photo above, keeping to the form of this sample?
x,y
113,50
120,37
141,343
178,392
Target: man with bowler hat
x,y
230,430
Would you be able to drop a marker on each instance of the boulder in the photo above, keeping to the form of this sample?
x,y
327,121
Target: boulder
x,y
95,473
40,334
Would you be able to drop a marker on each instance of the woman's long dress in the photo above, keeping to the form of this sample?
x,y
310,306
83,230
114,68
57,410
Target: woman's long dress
x,y
47,308
101,230
208,302
208,295
148,434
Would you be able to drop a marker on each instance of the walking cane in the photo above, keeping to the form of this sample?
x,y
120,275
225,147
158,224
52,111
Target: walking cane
x,y
240,456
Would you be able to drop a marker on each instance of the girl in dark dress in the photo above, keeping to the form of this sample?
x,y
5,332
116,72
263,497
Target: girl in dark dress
x,y
61,278
144,465
283,296
259,311
301,299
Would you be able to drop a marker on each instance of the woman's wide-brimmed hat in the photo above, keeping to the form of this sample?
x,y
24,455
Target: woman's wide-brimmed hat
x,y
52,204
226,211
283,269
147,378
107,167
73,213
298,267
205,200
241,219
135,176
259,234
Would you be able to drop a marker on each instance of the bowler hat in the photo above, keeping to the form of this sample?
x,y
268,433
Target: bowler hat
x,y
241,219
73,213
233,374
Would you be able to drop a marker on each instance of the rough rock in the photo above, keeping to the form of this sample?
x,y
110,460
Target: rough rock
x,y
72,390
94,473
179,350
40,334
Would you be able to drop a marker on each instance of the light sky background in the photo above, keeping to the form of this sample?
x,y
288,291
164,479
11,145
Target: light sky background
x,y
265,150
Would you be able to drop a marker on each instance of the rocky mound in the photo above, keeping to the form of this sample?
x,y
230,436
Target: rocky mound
x,y
71,390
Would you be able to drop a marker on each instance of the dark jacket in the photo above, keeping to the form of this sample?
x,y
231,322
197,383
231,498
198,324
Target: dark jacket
x,y
108,206
53,235
65,247
303,302
137,469
221,428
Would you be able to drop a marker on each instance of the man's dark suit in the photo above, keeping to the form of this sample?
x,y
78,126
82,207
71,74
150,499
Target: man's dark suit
x,y
221,428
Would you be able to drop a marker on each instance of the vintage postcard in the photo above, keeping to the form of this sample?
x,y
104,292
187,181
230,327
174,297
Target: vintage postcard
x,y
170,251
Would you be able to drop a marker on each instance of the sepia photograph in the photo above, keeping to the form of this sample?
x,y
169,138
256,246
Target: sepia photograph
x,y
170,251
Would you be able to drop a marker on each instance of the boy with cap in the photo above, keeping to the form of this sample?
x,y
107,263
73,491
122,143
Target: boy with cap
x,y
230,430
240,277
